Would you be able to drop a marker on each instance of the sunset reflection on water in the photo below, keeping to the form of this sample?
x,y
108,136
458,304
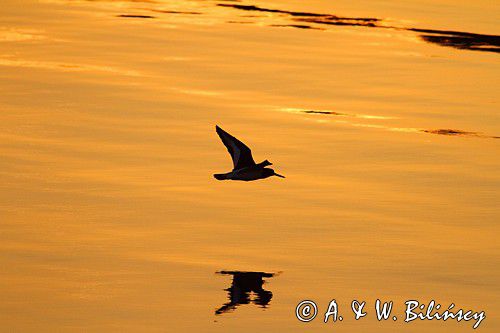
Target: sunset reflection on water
x,y
384,123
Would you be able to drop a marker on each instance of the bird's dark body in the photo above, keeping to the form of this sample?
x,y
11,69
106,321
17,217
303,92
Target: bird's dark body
x,y
247,174
245,167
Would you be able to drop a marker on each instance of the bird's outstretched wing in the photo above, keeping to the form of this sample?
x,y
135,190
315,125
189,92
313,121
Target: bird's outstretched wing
x,y
240,153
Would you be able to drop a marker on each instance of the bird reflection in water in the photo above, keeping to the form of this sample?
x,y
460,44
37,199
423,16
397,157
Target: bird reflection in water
x,y
246,288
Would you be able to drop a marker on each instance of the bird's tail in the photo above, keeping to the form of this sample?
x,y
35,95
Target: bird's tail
x,y
220,176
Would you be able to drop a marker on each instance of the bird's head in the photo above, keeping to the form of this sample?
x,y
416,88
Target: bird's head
x,y
270,172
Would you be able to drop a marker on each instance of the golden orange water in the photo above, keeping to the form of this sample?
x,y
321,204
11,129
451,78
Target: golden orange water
x,y
111,221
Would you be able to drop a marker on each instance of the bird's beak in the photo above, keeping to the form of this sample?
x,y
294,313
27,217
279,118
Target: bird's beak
x,y
278,175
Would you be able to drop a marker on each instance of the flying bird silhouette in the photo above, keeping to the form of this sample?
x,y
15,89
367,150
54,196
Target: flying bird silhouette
x,y
244,167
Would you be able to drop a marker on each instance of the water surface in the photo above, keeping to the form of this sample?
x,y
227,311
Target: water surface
x,y
383,117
